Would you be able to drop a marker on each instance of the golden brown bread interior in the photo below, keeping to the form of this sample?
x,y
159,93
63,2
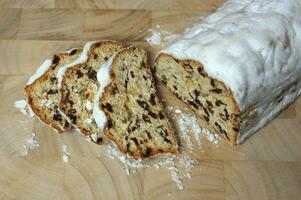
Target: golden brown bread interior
x,y
136,120
209,98
79,87
43,96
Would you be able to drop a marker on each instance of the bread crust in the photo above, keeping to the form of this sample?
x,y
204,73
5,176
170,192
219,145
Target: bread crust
x,y
233,137
28,91
107,90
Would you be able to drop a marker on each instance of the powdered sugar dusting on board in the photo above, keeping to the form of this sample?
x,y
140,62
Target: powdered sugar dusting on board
x,y
30,145
23,106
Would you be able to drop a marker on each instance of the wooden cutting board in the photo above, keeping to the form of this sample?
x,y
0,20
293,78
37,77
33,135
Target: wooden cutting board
x,y
267,166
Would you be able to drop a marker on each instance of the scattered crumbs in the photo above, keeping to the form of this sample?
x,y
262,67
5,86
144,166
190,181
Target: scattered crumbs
x,y
130,164
66,154
23,107
46,102
154,38
88,121
175,176
89,105
31,144
212,137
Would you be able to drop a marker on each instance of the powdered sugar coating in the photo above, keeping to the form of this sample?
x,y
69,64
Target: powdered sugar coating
x,y
254,47
40,71
104,79
81,59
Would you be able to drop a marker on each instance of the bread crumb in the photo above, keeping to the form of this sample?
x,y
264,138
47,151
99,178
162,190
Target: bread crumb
x,y
31,144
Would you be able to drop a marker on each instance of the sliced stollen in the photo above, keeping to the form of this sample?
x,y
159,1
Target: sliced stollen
x,y
238,68
130,112
78,86
41,90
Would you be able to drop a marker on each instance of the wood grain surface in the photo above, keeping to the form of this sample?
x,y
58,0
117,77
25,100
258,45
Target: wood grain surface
x,y
267,166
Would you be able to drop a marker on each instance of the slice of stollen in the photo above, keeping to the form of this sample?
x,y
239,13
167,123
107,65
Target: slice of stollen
x,y
78,86
130,112
41,90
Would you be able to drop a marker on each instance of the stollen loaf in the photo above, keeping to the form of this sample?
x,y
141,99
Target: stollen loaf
x,y
238,68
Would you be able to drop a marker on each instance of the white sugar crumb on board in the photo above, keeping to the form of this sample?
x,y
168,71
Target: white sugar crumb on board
x,y
179,166
23,106
157,36
154,38
30,145
212,137
66,155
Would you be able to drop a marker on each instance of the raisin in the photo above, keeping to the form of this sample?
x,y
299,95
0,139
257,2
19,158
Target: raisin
x,y
105,58
175,87
210,105
148,151
216,90
206,118
201,71
99,140
72,110
196,93
108,107
152,114
149,135
212,83
132,74
206,111
161,115
142,103
235,129
51,91
167,141
92,75
226,114
219,103
73,118
53,79
146,118
57,117
97,44
193,104
109,124
152,99
79,74
128,146
56,59
73,52
95,56
144,77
